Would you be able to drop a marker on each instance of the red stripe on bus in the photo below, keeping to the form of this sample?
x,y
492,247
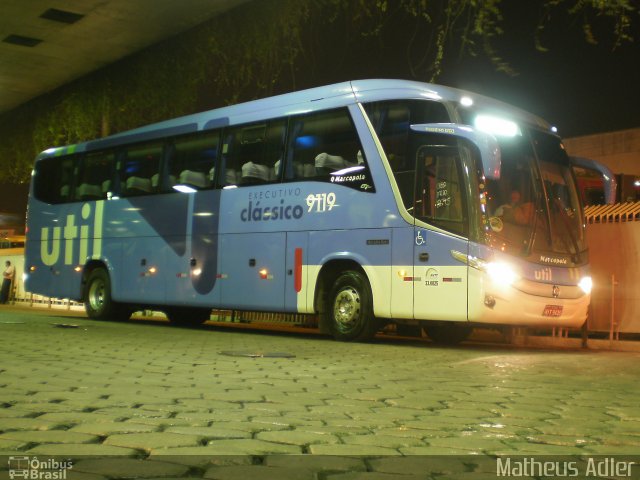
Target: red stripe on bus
x,y
297,276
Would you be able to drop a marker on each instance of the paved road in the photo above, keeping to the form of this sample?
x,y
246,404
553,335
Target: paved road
x,y
172,403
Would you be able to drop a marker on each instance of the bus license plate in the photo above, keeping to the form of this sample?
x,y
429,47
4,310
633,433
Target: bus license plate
x,y
552,311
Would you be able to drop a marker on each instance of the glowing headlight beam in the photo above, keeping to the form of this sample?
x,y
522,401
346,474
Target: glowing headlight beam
x,y
586,284
501,273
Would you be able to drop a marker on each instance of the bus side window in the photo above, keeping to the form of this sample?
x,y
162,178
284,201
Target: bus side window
x,y
191,163
53,179
274,149
323,143
95,176
137,168
392,119
252,154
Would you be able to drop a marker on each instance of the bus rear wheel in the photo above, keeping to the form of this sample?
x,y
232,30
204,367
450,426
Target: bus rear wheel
x,y
349,308
187,317
97,298
448,334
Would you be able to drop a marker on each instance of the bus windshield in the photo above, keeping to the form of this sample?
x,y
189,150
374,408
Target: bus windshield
x,y
534,208
531,211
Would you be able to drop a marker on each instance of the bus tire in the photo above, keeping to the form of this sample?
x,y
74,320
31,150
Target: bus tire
x,y
97,298
448,334
187,317
349,308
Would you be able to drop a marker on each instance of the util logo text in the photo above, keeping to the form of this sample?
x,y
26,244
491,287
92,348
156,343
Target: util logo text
x,y
544,274
57,239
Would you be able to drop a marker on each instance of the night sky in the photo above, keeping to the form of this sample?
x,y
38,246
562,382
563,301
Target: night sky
x,y
581,88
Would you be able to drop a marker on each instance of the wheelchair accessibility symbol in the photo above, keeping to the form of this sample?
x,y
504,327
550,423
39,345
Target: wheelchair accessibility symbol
x,y
420,240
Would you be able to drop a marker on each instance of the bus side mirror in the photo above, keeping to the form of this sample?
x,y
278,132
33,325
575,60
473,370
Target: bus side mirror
x,y
485,142
610,183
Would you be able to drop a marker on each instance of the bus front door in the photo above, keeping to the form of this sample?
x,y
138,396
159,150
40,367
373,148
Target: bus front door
x,y
440,281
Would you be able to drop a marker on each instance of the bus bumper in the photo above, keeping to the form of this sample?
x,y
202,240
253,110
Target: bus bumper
x,y
493,303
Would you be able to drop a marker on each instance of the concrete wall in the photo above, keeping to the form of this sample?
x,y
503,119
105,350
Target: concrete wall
x,y
614,249
620,150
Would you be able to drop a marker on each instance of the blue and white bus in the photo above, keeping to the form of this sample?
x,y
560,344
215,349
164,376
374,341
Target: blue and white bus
x,y
365,203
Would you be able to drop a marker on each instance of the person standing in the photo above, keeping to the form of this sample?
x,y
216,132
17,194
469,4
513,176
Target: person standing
x,y
7,281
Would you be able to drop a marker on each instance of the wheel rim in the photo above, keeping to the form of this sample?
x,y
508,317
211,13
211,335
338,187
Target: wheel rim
x,y
346,308
97,295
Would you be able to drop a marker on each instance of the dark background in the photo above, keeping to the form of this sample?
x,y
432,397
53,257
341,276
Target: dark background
x,y
579,87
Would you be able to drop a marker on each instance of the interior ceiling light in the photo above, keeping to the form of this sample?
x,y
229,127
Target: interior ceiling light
x,y
61,16
22,40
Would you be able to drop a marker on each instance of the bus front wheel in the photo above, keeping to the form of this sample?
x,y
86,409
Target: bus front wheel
x,y
97,298
349,308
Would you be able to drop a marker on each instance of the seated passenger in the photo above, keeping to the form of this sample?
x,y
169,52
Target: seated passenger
x,y
515,211
514,202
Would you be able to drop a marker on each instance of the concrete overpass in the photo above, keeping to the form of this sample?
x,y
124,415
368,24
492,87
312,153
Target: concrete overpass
x,y
45,44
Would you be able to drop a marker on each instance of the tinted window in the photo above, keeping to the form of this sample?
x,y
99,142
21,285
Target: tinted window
x,y
392,119
433,188
252,154
325,146
191,162
139,169
53,179
95,176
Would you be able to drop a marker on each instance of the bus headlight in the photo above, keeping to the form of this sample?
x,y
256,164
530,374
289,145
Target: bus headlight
x,y
586,284
501,273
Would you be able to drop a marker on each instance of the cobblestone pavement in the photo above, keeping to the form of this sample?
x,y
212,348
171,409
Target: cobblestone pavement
x,y
165,402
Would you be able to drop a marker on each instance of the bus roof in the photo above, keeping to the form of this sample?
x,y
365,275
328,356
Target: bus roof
x,y
303,101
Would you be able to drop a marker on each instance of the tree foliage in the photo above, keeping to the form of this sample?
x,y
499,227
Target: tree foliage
x,y
618,16
266,47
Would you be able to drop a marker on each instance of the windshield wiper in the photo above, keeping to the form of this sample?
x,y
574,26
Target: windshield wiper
x,y
534,228
565,221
